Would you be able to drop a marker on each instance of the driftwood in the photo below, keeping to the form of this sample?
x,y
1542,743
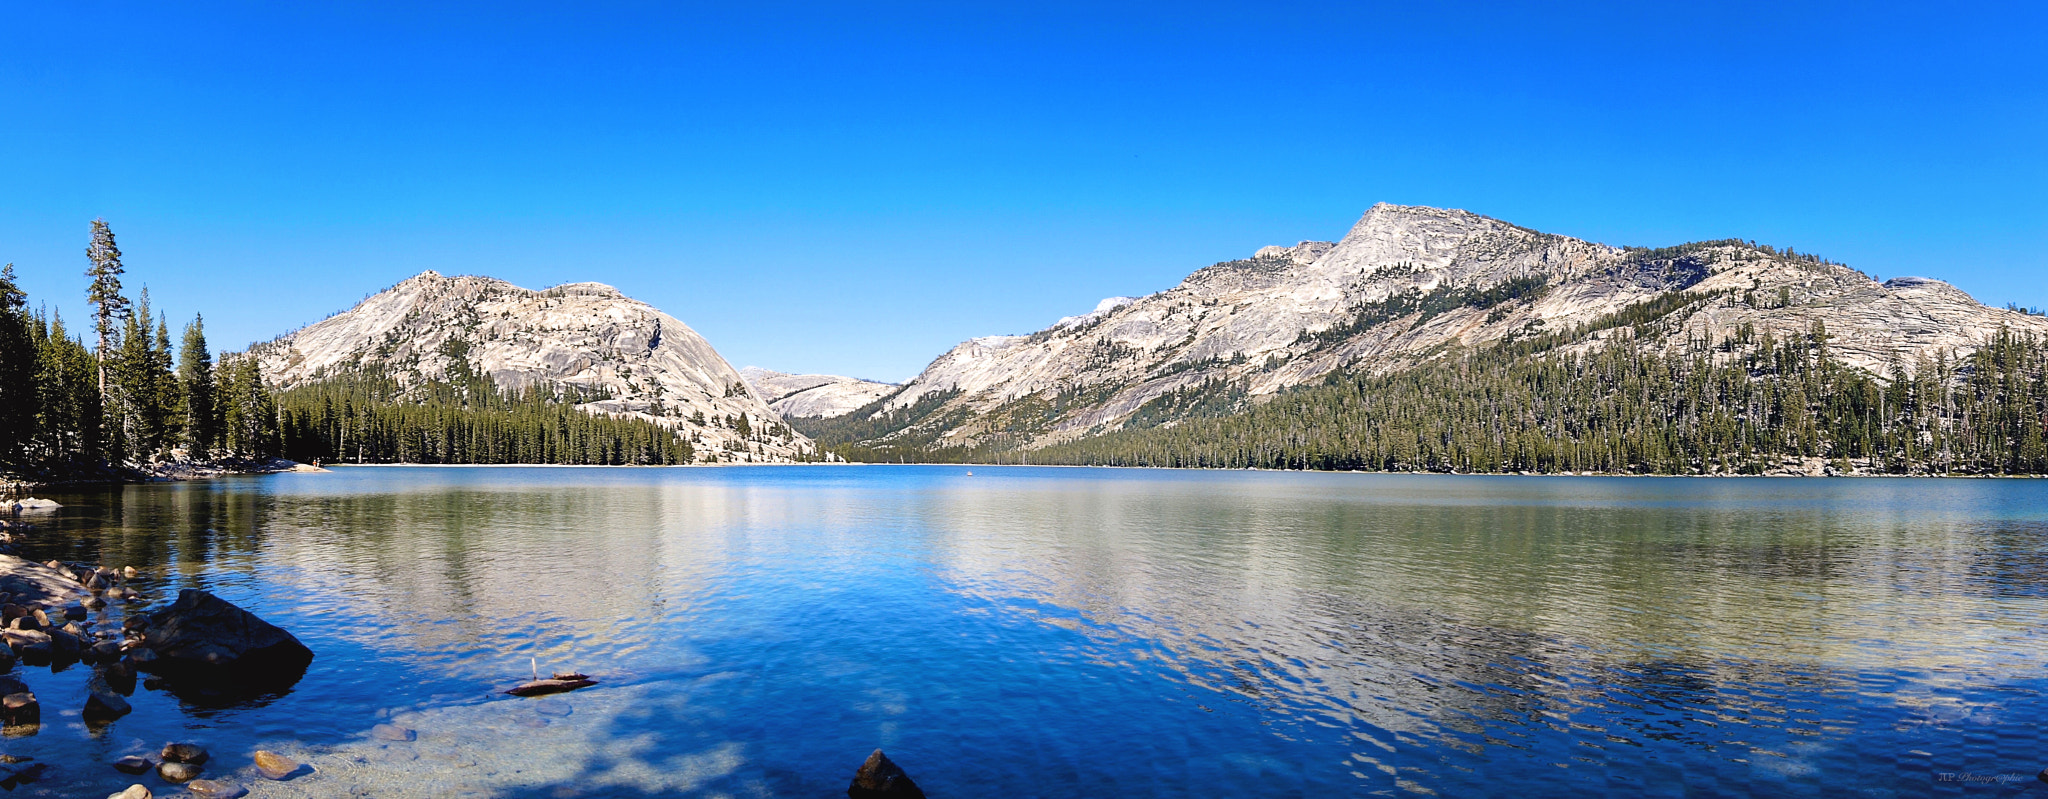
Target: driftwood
x,y
559,684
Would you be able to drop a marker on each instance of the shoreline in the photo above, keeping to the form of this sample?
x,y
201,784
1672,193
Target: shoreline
x,y
171,472
1781,475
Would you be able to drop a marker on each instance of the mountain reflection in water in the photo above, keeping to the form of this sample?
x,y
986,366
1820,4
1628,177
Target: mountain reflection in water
x,y
1037,631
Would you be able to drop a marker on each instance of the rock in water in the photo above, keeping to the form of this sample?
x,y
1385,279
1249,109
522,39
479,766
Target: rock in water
x,y
133,764
105,705
202,635
21,708
392,732
184,753
177,772
215,789
133,792
274,765
881,778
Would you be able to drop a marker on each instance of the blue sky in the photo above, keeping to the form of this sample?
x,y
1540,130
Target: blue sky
x,y
855,190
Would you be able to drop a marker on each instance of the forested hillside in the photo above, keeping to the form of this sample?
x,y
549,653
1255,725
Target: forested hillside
x,y
370,420
1607,396
1744,407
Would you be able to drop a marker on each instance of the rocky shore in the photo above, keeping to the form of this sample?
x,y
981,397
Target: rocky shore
x,y
173,469
58,614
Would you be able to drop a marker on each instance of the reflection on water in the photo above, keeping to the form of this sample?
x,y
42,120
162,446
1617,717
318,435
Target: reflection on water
x,y
1096,632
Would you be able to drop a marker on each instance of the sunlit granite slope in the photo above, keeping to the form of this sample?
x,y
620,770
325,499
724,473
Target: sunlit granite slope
x,y
585,336
1291,315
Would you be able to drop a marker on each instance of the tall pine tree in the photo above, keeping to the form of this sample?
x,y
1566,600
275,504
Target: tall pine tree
x,y
108,306
195,381
17,373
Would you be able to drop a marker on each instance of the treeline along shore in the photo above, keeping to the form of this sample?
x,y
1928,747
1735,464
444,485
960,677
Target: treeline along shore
x,y
1745,403
117,401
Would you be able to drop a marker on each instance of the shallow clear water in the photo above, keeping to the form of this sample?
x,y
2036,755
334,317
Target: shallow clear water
x,y
1062,632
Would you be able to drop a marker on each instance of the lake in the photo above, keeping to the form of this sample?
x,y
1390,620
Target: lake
x,y
1021,631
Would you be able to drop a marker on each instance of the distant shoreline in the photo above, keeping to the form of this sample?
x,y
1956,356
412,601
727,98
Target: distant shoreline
x,y
972,466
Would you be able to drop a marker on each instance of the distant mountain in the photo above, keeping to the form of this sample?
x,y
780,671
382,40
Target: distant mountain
x,y
813,395
611,354
1405,286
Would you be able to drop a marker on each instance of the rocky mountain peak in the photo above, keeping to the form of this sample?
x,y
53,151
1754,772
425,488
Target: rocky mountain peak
x,y
621,356
1406,284
794,395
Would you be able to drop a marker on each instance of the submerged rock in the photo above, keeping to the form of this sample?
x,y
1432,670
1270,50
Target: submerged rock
x,y
204,636
215,789
274,765
392,732
177,772
881,778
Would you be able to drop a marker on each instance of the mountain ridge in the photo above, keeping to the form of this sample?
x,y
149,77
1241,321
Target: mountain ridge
x,y
611,354
1404,283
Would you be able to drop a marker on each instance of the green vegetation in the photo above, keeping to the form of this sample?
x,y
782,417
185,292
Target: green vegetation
x,y
68,411
1625,407
369,419
1426,306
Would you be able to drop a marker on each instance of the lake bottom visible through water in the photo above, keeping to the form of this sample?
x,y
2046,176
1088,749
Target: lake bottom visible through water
x,y
1033,631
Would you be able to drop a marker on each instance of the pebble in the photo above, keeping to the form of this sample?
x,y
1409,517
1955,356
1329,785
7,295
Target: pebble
x,y
274,765
177,772
215,789
132,764
392,732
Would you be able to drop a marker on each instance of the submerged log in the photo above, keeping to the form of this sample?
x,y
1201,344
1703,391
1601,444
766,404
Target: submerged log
x,y
560,683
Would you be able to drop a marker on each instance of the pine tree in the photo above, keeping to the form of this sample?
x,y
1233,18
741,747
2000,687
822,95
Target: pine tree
x,y
18,389
69,413
196,384
105,292
169,402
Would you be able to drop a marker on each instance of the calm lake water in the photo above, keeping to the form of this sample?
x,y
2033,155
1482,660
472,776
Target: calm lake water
x,y
1082,632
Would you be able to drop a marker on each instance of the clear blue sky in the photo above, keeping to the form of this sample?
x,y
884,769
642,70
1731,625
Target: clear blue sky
x,y
856,190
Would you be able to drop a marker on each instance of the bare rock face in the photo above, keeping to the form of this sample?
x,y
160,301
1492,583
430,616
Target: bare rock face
x,y
581,337
202,636
1292,315
813,395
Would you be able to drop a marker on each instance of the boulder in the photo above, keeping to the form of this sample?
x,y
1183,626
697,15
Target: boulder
x,y
204,636
881,778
